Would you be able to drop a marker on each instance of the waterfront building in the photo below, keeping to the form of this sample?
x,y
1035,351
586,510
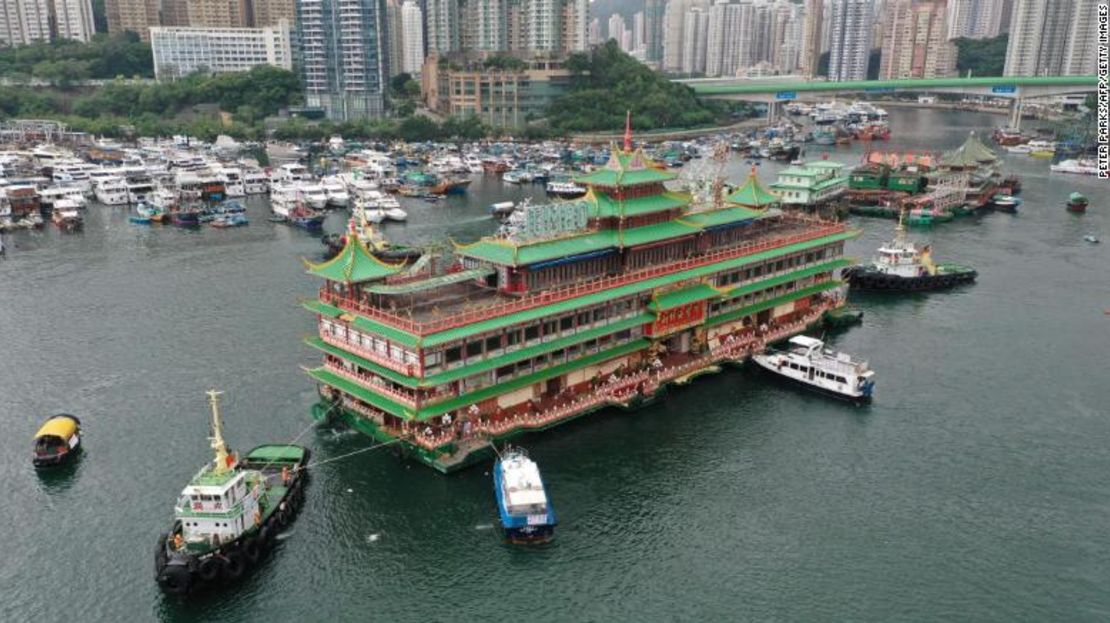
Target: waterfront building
x,y
1052,38
180,51
916,42
575,307
23,22
461,85
850,39
412,38
137,16
813,24
811,185
975,19
73,20
342,56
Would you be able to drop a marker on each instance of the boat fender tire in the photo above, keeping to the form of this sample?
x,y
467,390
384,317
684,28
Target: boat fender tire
x,y
282,515
252,551
265,536
233,566
209,569
175,582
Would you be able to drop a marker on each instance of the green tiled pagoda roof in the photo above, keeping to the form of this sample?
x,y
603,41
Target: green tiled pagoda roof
x,y
431,283
634,236
504,252
710,218
321,307
603,205
640,286
625,169
354,264
972,153
800,172
752,194
700,292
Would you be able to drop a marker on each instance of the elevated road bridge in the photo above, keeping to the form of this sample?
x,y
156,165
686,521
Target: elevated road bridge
x,y
778,91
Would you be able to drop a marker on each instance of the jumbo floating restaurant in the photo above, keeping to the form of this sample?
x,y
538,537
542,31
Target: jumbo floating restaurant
x,y
574,307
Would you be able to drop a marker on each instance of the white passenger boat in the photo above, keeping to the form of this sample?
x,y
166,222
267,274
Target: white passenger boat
x,y
1077,167
808,363
336,192
389,206
292,172
255,182
233,182
112,191
314,195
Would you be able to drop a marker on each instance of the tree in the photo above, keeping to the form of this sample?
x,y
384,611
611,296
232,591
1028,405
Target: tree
x,y
982,57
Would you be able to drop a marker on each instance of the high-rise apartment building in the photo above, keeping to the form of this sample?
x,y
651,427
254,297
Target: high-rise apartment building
x,y
412,38
541,25
974,19
342,60
442,26
654,11
265,13
728,40
916,41
73,19
485,24
24,21
695,34
218,13
135,15
615,27
814,23
575,25
1052,38
850,39
674,26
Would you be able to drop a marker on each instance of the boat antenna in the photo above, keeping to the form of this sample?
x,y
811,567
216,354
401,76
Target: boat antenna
x,y
223,459
900,229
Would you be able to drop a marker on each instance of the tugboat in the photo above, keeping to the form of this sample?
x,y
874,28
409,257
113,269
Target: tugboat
x,y
526,515
1077,203
229,514
815,367
58,441
900,266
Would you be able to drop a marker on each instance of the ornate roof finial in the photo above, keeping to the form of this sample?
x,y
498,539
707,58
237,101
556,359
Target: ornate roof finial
x,y
628,132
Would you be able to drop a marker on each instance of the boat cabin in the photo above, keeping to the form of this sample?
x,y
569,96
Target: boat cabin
x,y
216,507
57,439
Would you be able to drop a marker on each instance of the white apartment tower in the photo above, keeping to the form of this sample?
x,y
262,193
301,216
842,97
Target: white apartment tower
x,y
850,39
1052,38
443,26
695,30
540,25
974,19
412,38
343,63
73,19
23,22
728,38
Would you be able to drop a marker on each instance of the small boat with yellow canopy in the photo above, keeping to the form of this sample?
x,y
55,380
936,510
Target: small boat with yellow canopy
x,y
58,441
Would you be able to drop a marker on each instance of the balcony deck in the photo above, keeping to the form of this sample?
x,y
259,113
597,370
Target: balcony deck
x,y
457,305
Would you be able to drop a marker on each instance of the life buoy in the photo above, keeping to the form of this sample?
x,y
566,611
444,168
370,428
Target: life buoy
x,y
233,566
209,569
252,551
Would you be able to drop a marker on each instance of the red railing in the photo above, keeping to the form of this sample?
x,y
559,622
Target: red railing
x,y
366,353
371,383
561,294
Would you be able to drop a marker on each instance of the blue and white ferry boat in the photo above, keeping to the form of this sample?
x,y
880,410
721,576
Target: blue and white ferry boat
x,y
526,514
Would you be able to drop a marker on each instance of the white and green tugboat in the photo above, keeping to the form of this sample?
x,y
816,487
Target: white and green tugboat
x,y
228,516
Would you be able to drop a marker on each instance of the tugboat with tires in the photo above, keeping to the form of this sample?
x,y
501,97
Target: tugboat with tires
x,y
229,515
900,266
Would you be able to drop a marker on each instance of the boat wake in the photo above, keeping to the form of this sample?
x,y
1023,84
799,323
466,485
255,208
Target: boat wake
x,y
484,526
373,537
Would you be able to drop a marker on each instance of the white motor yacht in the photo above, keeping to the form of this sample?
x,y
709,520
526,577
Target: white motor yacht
x,y
808,363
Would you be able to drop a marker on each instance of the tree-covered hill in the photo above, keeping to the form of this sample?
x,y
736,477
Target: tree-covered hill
x,y
608,83
982,57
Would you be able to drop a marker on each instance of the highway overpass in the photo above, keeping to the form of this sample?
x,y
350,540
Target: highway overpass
x,y
773,92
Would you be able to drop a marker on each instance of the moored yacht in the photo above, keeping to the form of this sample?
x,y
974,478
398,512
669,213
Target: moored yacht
x,y
336,192
233,182
112,191
314,196
255,182
809,363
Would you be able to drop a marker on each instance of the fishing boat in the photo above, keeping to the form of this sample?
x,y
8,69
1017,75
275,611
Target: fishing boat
x,y
229,515
305,217
185,216
451,186
808,363
1005,203
57,441
224,221
565,190
67,215
516,177
147,213
526,515
900,266
1077,203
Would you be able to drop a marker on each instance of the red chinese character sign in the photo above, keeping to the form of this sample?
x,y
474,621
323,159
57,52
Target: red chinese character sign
x,y
674,319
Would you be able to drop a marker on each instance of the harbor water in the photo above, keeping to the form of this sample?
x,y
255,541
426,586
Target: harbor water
x,y
974,488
